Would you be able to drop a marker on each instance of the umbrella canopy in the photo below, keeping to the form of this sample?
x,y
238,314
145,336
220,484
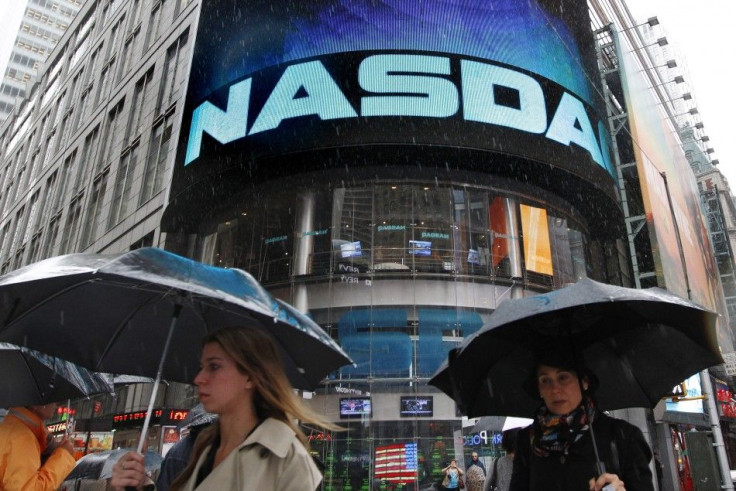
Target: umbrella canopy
x,y
111,313
639,344
197,416
31,378
99,465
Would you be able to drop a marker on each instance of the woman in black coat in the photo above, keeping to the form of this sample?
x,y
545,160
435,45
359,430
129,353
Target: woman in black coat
x,y
556,451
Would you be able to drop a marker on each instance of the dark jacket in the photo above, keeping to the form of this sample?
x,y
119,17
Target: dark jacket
x,y
621,447
177,458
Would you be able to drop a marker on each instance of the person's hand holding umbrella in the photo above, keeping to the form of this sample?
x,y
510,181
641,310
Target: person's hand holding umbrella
x,y
607,482
130,472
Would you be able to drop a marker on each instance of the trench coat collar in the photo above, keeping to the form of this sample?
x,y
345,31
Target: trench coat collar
x,y
274,435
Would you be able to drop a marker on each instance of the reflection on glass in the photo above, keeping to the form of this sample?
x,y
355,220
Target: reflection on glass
x,y
537,250
401,229
500,230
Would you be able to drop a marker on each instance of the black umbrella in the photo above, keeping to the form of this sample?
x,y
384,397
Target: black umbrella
x,y
118,314
99,465
639,343
32,378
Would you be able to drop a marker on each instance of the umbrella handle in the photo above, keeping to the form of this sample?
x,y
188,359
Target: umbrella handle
x,y
157,382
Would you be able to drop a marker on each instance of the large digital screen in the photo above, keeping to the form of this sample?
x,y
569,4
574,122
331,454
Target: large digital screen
x,y
671,197
350,249
690,401
397,463
416,406
420,247
355,407
280,87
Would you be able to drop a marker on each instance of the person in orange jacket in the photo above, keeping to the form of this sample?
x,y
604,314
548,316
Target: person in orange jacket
x,y
29,459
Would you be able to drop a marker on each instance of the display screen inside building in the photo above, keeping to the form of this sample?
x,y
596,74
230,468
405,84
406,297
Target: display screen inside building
x,y
273,82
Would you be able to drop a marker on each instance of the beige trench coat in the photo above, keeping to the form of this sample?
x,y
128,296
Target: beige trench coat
x,y
271,458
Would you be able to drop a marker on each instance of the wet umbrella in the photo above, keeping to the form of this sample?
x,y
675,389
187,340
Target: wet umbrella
x,y
32,378
99,465
197,417
119,313
639,344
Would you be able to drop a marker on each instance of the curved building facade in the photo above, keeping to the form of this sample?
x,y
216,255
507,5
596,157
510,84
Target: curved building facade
x,y
396,170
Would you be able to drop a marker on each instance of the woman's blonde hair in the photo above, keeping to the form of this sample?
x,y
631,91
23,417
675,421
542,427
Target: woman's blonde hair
x,y
255,354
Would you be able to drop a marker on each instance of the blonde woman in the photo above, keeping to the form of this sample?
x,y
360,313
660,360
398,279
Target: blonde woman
x,y
255,444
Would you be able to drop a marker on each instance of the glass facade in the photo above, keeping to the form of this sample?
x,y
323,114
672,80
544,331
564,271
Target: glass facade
x,y
401,229
398,273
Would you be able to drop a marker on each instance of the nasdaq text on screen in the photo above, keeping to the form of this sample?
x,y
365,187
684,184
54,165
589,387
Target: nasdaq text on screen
x,y
403,85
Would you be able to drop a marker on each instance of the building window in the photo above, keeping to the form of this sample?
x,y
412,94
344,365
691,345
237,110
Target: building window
x,y
32,163
135,15
180,5
104,82
53,139
172,78
32,219
66,130
59,194
83,40
70,166
154,23
18,230
20,171
50,242
156,161
94,211
116,34
123,186
142,102
84,104
129,52
89,152
4,244
69,236
113,137
34,251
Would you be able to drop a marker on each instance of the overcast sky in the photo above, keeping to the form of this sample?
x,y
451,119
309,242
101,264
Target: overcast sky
x,y
11,12
701,32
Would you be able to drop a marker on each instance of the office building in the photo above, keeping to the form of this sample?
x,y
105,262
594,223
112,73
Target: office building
x,y
43,24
